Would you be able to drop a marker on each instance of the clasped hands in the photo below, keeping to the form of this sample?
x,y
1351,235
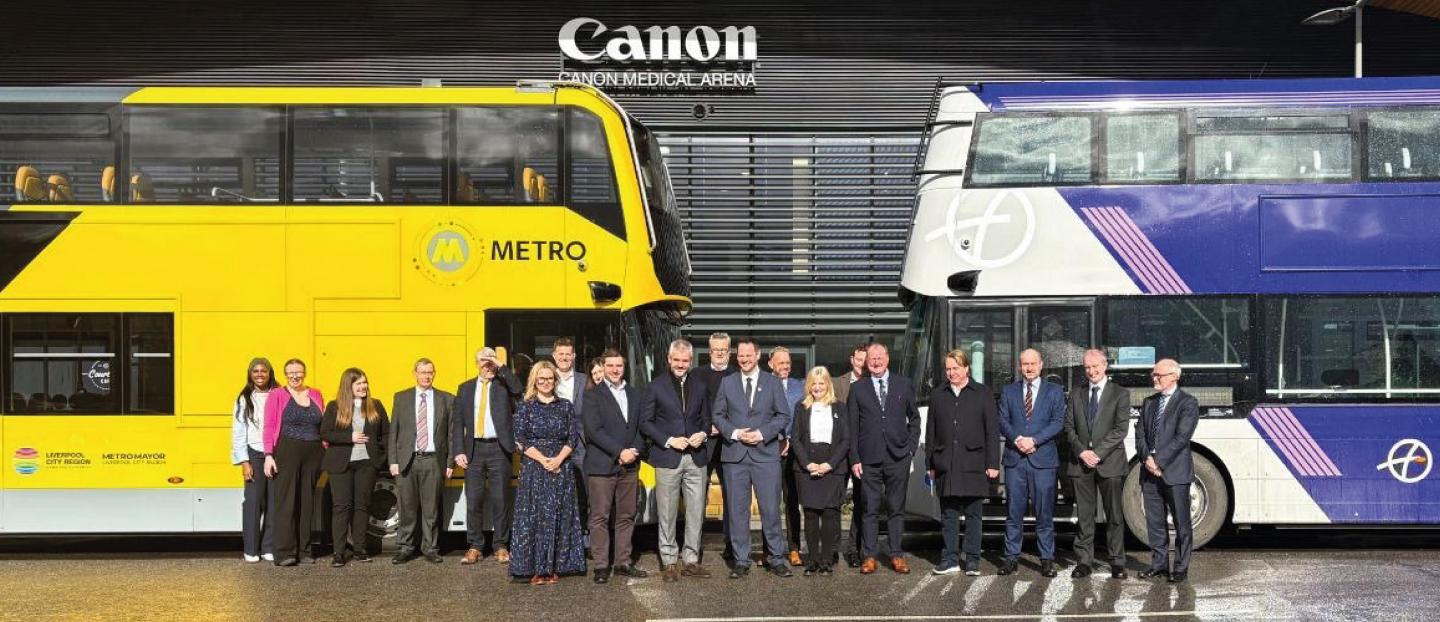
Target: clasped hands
x,y
1025,444
682,443
750,436
1153,467
819,470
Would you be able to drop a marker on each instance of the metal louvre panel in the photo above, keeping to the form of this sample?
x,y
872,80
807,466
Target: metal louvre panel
x,y
794,232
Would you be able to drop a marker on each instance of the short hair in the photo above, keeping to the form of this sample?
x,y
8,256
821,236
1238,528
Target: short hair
x,y
681,346
819,372
779,350
959,356
294,362
720,336
746,340
876,344
422,361
611,353
1172,362
564,341
860,347
1095,352
483,349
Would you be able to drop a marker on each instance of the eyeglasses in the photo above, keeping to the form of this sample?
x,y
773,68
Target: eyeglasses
x,y
1168,373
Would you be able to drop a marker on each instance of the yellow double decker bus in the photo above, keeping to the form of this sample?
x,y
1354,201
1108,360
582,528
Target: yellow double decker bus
x,y
154,240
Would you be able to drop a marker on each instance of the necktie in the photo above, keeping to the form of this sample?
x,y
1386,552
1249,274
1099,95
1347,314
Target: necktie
x,y
682,395
883,394
480,410
750,390
422,424
1159,414
1029,402
1094,410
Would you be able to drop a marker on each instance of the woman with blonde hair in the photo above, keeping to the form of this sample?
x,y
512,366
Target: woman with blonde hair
x,y
354,427
821,442
546,540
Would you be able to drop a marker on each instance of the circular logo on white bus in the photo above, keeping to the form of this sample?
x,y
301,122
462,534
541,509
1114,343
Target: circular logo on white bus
x,y
448,253
995,238
1409,462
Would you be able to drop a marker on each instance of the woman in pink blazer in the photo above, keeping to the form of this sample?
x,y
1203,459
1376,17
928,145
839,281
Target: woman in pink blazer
x,y
292,458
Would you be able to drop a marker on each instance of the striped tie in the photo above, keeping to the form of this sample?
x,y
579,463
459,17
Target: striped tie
x,y
422,424
1029,402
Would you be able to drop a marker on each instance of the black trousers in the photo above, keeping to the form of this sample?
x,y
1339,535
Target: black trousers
x,y
487,494
791,502
298,469
857,515
822,534
350,505
951,509
885,485
257,522
1090,490
1159,498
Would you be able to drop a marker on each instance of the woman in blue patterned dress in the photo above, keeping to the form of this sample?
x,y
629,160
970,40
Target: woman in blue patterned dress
x,y
546,541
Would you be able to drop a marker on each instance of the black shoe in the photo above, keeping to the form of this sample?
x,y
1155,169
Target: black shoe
x,y
433,558
1179,577
1047,568
827,570
629,570
739,571
288,561
404,557
1007,567
1118,572
1081,571
781,569
360,557
972,568
852,559
307,560
337,561
1154,573
811,568
602,576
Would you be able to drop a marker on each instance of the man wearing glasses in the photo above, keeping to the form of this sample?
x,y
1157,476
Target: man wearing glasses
x,y
1167,421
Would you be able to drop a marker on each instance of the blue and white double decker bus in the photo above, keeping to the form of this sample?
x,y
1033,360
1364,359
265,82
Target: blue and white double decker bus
x,y
1280,238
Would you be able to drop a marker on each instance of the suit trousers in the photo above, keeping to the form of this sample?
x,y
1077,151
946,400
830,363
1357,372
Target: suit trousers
x,y
716,467
857,515
822,535
1159,498
792,505
350,506
298,464
951,508
617,493
257,521
689,481
885,485
488,496
1025,484
1090,489
763,478
420,489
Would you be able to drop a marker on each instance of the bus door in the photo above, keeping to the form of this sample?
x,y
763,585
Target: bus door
x,y
530,336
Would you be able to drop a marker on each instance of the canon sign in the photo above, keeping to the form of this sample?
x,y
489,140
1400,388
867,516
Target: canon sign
x,y
656,43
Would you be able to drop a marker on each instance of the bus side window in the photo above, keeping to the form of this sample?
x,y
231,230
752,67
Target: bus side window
x,y
1404,144
54,157
508,155
592,177
369,155
211,154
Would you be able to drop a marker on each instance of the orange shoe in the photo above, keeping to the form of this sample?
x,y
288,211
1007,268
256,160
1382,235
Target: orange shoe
x,y
898,563
554,578
472,556
868,566
795,559
502,556
537,580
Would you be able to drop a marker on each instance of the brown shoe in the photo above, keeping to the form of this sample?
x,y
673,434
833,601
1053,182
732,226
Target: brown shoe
x,y
898,563
472,556
537,580
795,559
502,556
670,574
868,566
695,570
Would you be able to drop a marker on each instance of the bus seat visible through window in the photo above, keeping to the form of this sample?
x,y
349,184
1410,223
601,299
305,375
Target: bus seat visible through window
x,y
542,191
107,184
527,183
28,186
464,190
140,188
59,190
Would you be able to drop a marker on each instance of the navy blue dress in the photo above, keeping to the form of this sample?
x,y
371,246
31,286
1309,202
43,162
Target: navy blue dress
x,y
546,537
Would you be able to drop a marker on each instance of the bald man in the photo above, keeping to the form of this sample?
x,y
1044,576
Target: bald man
x,y
1032,416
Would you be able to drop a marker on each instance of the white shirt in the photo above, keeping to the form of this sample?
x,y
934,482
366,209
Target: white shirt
x,y
1098,385
754,377
956,390
876,380
255,427
722,367
822,425
482,387
565,385
618,390
429,414
357,424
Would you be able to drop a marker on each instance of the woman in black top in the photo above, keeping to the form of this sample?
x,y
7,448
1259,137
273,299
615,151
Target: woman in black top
x,y
962,443
820,441
354,427
293,451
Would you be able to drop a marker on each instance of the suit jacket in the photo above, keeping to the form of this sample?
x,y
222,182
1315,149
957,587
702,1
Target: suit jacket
x,y
803,449
1171,447
733,411
401,441
794,394
607,432
891,434
505,389
1107,439
577,400
962,439
842,387
339,440
662,417
1046,424
713,378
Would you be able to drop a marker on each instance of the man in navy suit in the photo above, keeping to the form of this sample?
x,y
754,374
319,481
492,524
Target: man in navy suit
x,y
1032,416
794,392
612,467
482,441
1167,421
886,421
675,416
751,415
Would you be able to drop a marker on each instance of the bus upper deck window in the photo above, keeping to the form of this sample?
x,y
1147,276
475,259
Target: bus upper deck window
x,y
54,157
592,176
369,155
1142,148
1404,144
212,154
508,155
1032,150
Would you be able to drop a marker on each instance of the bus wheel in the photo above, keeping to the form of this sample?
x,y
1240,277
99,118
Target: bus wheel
x,y
384,514
1209,502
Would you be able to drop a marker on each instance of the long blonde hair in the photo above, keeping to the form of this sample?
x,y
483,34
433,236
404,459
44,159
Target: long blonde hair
x,y
345,400
819,372
530,390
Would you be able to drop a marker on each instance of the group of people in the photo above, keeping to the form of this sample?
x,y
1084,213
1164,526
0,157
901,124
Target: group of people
x,y
789,445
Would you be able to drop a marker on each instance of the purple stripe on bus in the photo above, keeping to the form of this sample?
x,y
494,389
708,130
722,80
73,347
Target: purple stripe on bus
x,y
1302,465
1165,278
1310,440
1312,452
1171,276
1125,255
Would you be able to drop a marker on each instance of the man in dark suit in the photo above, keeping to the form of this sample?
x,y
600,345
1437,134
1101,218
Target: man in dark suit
x,y
482,440
1095,428
794,392
419,462
1032,417
857,500
571,386
886,421
1167,421
676,419
750,413
612,467
713,373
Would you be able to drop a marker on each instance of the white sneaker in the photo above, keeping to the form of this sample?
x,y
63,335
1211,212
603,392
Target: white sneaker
x,y
252,559
269,557
945,570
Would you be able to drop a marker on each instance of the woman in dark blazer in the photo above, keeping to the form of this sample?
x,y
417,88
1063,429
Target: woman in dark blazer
x,y
354,430
962,449
820,440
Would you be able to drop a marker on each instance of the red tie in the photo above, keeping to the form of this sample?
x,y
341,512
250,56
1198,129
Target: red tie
x,y
1029,401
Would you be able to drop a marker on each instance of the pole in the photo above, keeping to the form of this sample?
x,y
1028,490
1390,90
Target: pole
x,y
1359,41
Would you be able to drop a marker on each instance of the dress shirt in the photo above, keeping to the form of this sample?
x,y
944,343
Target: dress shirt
x,y
822,426
754,379
876,380
482,388
565,384
618,390
429,415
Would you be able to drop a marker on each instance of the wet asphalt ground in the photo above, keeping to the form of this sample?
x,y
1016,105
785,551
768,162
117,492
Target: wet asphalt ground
x,y
1254,575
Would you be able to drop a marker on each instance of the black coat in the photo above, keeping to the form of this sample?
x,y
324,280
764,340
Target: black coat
x,y
827,491
339,443
608,433
962,440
